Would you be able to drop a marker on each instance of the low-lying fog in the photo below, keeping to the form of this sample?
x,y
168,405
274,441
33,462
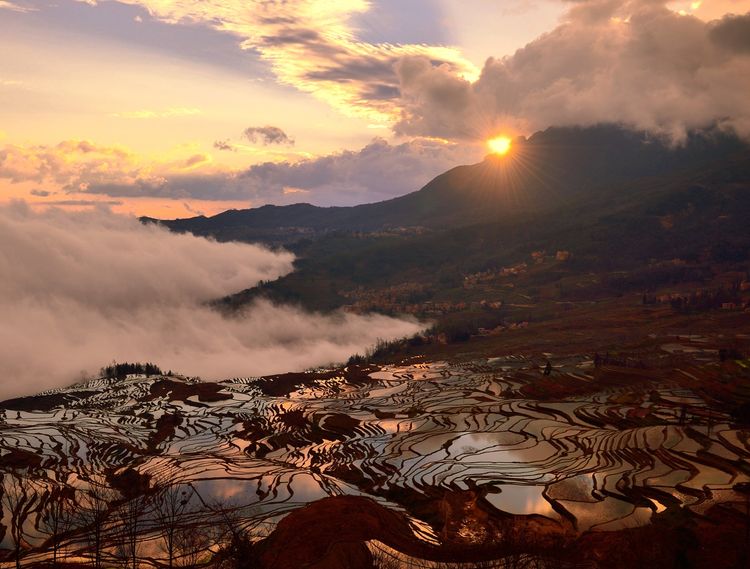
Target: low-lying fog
x,y
79,290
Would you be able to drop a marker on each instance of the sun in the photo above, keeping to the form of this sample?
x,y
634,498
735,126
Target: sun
x,y
499,145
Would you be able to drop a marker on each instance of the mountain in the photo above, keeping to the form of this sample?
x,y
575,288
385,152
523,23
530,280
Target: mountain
x,y
546,171
618,201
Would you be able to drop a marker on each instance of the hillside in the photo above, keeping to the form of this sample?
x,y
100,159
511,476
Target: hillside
x,y
698,218
627,217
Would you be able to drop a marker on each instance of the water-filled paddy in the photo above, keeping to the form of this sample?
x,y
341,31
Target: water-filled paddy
x,y
603,461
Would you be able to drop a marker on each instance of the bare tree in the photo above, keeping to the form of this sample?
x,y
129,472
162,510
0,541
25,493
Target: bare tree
x,y
230,533
190,542
18,503
92,517
55,518
130,520
171,506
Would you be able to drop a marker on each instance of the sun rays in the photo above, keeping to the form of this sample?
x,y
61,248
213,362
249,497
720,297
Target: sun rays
x,y
500,145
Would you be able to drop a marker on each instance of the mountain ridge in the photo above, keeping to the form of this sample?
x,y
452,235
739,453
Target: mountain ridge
x,y
545,171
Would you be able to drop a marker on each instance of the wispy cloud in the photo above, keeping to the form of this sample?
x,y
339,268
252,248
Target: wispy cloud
x,y
191,209
82,203
15,6
593,67
312,46
224,145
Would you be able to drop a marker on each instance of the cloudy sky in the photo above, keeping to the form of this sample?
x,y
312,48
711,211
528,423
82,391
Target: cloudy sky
x,y
178,107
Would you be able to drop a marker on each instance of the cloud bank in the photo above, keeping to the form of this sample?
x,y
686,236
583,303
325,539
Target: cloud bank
x,y
635,62
81,289
380,170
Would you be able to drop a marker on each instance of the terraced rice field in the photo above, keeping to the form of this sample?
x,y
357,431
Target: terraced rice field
x,y
605,460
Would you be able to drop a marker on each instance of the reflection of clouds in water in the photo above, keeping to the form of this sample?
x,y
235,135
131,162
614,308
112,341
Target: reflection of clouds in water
x,y
609,513
292,486
500,448
455,432
231,490
577,488
306,488
522,500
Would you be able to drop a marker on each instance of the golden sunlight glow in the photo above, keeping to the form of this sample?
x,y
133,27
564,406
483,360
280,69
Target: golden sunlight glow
x,y
499,145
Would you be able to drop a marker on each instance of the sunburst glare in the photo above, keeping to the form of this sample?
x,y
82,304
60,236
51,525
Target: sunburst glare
x,y
499,145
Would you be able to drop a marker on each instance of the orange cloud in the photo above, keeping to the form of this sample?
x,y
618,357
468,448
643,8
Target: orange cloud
x,y
81,170
10,5
72,164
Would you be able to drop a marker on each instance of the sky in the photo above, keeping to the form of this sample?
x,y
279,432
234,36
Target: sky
x,y
175,108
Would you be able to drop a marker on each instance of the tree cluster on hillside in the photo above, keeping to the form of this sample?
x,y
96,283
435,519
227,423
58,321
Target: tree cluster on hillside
x,y
122,370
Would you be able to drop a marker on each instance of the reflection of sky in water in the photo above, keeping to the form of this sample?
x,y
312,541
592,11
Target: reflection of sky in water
x,y
299,486
521,500
577,488
616,513
237,492
414,427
